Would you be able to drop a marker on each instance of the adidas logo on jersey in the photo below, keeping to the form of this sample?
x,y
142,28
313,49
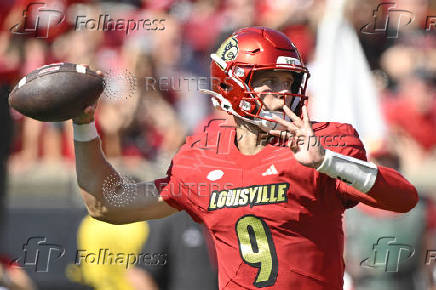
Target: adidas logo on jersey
x,y
270,171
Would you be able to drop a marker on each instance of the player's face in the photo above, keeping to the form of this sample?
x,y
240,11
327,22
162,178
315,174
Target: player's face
x,y
268,82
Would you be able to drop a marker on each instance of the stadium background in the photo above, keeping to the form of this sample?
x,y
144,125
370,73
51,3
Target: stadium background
x,y
379,78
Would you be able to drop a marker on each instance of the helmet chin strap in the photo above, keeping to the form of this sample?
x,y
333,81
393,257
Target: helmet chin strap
x,y
265,125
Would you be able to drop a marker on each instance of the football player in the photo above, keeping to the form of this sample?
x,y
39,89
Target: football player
x,y
271,190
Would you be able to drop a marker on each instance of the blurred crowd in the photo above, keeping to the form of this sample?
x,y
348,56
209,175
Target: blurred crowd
x,y
154,72
152,99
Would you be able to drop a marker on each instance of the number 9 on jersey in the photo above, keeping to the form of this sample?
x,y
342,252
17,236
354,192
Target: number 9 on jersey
x,y
257,249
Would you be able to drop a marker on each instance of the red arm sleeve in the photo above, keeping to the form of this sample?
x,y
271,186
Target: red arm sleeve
x,y
391,190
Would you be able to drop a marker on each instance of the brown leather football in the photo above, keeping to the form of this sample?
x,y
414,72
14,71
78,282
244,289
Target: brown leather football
x,y
56,92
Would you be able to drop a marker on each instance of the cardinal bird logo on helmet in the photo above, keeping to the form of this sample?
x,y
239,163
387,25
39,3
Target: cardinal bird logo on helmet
x,y
228,49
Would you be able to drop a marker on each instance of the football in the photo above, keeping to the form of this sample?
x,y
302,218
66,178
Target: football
x,y
56,92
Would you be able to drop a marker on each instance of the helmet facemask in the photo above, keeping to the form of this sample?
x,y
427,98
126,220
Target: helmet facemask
x,y
293,99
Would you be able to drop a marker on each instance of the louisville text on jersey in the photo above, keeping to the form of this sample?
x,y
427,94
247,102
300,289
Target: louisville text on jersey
x,y
250,195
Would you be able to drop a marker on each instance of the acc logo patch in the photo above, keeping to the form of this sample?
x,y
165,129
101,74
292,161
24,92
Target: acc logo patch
x,y
228,49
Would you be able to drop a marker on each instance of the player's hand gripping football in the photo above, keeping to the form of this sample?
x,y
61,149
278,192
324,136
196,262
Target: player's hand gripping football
x,y
87,115
300,138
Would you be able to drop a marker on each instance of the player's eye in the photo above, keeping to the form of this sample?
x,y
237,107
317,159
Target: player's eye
x,y
268,82
288,84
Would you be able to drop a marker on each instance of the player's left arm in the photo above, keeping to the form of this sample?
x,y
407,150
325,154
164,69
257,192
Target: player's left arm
x,y
360,180
378,186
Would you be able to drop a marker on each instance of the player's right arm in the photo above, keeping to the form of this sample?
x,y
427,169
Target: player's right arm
x,y
108,197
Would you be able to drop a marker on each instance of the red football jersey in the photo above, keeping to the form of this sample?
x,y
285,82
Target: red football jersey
x,y
275,222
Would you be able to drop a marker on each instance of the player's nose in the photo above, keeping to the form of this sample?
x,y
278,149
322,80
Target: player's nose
x,y
279,101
